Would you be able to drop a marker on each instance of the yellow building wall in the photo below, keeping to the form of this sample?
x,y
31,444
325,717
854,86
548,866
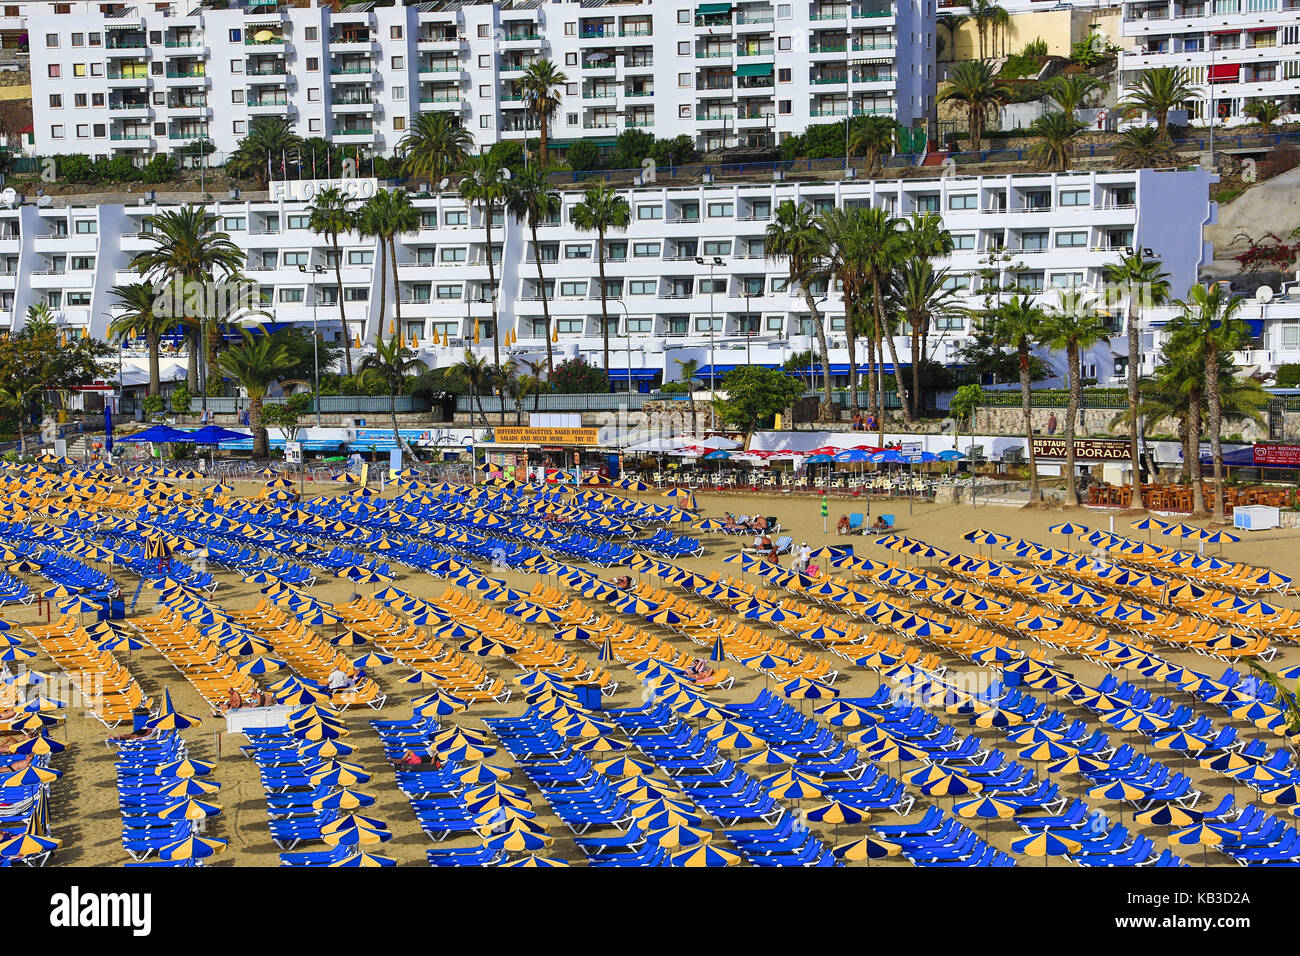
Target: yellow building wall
x,y
1061,29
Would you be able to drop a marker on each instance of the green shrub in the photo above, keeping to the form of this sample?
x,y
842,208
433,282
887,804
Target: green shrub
x,y
582,155
1287,375
1035,47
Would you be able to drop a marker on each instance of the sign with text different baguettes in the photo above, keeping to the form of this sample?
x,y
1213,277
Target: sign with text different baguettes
x,y
524,435
1085,449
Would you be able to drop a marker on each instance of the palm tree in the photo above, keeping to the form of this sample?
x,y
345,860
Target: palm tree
x,y
883,249
1054,130
389,364
983,12
974,84
137,299
434,147
1021,324
1142,147
1144,283
477,374
873,138
1073,325
535,369
330,215
517,386
688,369
1264,112
601,210
999,22
266,146
187,250
385,216
952,23
530,200
542,85
793,235
925,236
1208,318
921,298
259,361
1073,91
486,185
844,260
1159,90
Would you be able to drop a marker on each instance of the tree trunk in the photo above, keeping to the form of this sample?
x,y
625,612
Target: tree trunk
x,y
604,309
492,286
210,367
343,316
914,343
851,340
1193,455
383,290
261,442
695,425
392,411
1076,393
546,311
542,124
397,288
192,361
1134,344
152,342
1026,406
883,331
829,410
1214,400
974,124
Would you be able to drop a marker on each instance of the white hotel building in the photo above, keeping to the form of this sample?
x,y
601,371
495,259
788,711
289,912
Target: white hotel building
x,y
689,280
1235,51
144,79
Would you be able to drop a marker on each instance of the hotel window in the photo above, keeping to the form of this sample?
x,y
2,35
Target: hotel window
x,y
643,326
395,33
293,295
77,298
577,251
780,284
717,247
1071,240
296,259
654,211
963,242
361,257
573,289
775,323
709,324
719,210
81,262
956,283
569,326
615,251
1290,336
56,101
1031,281
234,223
311,34
455,217
713,286
963,201
86,227
449,291
1033,241
1066,280
299,222
642,286
949,323
927,203
453,255
358,294
1076,197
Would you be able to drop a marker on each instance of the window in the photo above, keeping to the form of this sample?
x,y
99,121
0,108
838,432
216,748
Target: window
x,y
956,283
1076,197
650,212
77,298
450,290
1071,240
485,61
642,286
949,323
1031,281
570,59
299,222
721,210
237,126
234,223
394,33
684,48
96,99
713,286
82,262
783,107
783,75
311,34
78,39
574,251
359,294
783,43
485,122
780,284
455,217
56,101
615,251
313,94
54,71
966,241
399,94
236,96
783,11
93,39
315,125
86,227
717,247
361,257
452,255
709,324
79,70
571,28
296,258
645,250
399,122
293,295
100,131
313,64
573,289
569,326
52,41
684,79
963,201
484,91
642,325
397,63
1033,240
1066,280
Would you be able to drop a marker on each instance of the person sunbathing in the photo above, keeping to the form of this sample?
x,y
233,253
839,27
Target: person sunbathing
x,y
880,524
233,702
843,526
759,523
700,671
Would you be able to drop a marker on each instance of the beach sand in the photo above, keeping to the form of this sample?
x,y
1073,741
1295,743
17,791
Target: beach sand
x,y
84,813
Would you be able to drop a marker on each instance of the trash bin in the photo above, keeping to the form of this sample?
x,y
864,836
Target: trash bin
x,y
588,695
139,717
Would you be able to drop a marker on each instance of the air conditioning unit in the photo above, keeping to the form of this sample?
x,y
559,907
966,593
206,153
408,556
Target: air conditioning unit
x,y
778,175
707,178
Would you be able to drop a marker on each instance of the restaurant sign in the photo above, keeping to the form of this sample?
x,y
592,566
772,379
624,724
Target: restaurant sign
x,y
1085,449
547,436
1277,456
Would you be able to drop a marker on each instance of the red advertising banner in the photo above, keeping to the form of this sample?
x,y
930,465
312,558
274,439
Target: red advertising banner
x,y
1278,456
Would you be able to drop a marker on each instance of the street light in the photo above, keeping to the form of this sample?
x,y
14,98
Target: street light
x,y
315,336
717,261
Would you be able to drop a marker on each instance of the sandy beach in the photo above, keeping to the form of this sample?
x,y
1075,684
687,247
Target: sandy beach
x,y
84,813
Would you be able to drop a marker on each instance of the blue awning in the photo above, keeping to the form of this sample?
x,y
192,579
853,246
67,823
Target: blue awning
x,y
1256,326
638,374
717,371
309,444
842,368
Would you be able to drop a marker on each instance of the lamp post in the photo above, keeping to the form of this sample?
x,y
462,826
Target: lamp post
x,y
713,318
317,271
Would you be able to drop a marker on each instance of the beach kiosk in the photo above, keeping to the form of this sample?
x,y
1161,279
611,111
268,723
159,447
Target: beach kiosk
x,y
550,454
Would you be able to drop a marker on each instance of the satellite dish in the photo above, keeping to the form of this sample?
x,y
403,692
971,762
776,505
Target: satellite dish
x,y
444,184
506,174
44,201
8,196
1264,294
